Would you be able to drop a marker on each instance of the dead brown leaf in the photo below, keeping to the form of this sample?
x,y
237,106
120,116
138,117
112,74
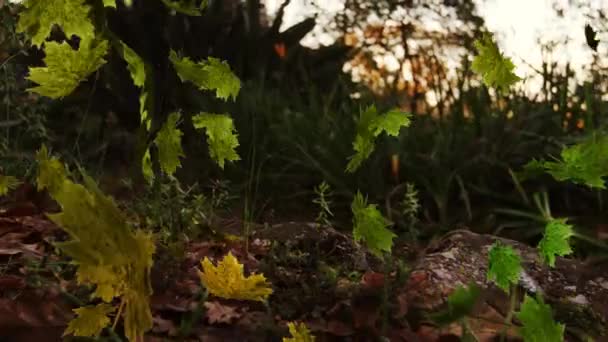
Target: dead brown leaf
x,y
220,313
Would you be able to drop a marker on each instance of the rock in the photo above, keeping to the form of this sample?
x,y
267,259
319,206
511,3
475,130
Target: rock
x,y
578,294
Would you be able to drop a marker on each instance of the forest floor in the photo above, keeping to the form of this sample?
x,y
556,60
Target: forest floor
x,y
318,276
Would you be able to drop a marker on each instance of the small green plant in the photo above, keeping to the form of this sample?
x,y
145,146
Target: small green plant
x,y
323,192
410,207
180,213
370,226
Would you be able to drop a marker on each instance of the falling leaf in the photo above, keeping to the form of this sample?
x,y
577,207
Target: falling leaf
x,y
66,68
90,321
211,74
555,240
496,70
221,136
39,18
591,37
369,127
169,143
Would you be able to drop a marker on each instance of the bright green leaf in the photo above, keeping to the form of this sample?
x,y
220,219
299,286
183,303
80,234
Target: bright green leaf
x,y
146,167
538,323
135,65
496,70
211,74
391,122
40,16
584,163
109,3
370,226
143,111
90,320
221,136
371,125
555,240
504,265
66,67
169,143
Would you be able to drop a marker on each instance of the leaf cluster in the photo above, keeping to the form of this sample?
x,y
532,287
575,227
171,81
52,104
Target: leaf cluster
x,y
110,256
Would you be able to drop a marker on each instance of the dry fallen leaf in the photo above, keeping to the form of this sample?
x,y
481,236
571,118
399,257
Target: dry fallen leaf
x,y
220,313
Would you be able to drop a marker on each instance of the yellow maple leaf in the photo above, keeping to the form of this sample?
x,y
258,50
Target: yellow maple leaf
x,y
227,280
110,255
90,320
299,333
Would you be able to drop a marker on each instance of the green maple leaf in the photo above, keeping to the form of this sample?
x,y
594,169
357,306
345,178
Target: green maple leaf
x,y
135,65
187,7
496,70
221,136
137,70
461,303
504,265
211,74
90,320
143,111
40,16
584,163
52,172
66,67
538,323
109,3
146,166
391,122
370,126
169,143
555,240
7,183
370,226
